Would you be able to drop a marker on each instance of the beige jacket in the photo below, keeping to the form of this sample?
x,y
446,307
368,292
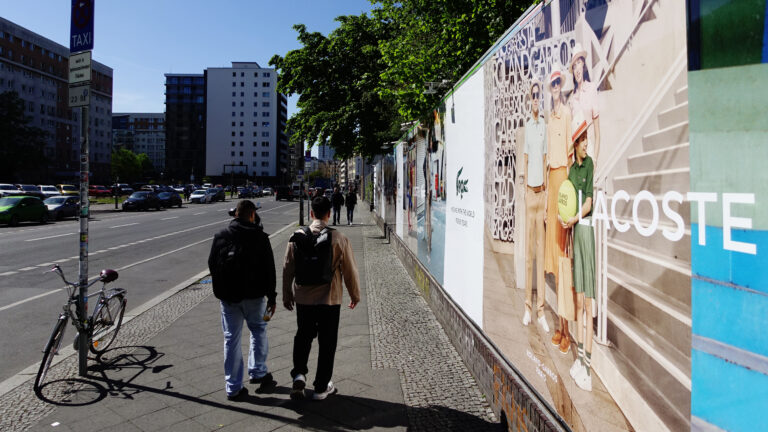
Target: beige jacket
x,y
329,294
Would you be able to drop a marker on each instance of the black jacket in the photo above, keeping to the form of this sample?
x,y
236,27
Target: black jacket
x,y
351,199
337,199
259,279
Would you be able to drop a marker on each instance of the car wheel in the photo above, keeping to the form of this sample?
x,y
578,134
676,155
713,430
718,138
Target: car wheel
x,y
14,221
44,218
179,204
158,207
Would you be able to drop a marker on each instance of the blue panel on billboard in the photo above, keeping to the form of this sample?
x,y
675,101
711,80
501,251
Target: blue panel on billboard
x,y
81,27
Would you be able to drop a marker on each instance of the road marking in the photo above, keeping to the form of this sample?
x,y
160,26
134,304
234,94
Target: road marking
x,y
62,260
195,214
49,237
274,208
8,273
169,218
120,226
45,265
27,268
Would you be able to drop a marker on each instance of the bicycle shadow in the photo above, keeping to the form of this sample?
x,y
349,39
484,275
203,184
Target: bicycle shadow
x,y
338,412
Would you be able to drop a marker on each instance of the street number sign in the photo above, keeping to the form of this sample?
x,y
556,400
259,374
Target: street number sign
x,y
79,96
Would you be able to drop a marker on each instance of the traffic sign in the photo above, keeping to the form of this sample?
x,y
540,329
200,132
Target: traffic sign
x,y
299,177
80,67
81,27
79,96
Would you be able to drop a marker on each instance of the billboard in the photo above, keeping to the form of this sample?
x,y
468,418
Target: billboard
x,y
634,301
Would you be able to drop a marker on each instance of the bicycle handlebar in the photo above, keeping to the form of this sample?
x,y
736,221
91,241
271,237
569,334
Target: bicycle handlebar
x,y
105,276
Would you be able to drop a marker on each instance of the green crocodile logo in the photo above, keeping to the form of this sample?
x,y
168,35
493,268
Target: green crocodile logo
x,y
461,185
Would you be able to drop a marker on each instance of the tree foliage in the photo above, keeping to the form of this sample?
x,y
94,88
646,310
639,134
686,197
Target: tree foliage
x,y
21,145
130,167
367,76
437,40
337,79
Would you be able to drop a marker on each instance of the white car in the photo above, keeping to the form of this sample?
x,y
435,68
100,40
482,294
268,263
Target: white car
x,y
201,196
48,190
9,189
267,191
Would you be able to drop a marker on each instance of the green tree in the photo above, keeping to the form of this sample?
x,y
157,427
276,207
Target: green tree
x,y
21,145
126,165
337,78
147,169
435,40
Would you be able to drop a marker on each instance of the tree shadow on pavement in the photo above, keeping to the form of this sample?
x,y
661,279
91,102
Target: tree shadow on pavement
x,y
338,412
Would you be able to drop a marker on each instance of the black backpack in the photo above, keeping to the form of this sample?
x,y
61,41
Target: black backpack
x,y
228,266
313,255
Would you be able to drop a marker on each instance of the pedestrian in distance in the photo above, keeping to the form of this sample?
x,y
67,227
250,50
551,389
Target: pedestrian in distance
x,y
317,259
337,200
350,202
243,274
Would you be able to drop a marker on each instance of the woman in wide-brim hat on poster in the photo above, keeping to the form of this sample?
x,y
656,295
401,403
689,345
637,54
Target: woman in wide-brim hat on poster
x,y
584,98
559,151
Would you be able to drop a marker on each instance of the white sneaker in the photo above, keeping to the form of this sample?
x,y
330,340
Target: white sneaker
x,y
543,323
329,391
584,380
577,368
526,318
299,382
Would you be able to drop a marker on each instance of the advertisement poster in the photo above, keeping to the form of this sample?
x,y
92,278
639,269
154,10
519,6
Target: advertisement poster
x,y
610,347
464,197
728,82
400,200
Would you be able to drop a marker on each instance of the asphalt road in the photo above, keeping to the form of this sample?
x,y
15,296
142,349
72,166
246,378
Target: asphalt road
x,y
153,251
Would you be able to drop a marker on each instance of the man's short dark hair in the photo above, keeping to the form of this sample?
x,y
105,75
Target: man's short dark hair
x,y
321,207
244,209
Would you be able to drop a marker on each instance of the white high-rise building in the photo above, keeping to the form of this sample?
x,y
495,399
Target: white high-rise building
x,y
245,121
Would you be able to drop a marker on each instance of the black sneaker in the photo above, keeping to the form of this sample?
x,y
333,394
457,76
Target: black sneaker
x,y
266,383
299,382
239,396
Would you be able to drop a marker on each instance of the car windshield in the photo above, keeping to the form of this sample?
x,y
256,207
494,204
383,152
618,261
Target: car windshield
x,y
164,195
7,187
55,200
9,201
198,192
48,189
68,188
28,188
140,195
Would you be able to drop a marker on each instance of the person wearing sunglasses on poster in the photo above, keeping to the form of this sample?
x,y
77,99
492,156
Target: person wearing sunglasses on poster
x,y
559,151
535,166
584,99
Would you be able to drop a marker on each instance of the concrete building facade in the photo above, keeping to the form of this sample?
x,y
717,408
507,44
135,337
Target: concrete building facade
x,y
185,116
37,69
141,133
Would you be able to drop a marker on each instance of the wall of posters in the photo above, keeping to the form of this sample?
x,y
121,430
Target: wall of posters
x,y
642,308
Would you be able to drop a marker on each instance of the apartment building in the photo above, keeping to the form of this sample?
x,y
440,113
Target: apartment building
x,y
185,124
141,133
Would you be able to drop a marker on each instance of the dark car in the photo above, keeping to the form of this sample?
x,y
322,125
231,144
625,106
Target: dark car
x,y
20,208
218,194
31,190
283,193
245,192
142,200
62,206
169,199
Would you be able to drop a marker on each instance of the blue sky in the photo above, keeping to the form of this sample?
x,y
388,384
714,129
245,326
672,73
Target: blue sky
x,y
142,40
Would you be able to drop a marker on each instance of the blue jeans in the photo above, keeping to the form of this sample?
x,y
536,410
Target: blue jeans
x,y
232,316
350,212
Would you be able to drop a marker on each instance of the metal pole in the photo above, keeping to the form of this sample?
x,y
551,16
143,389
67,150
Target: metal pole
x,y
301,203
82,302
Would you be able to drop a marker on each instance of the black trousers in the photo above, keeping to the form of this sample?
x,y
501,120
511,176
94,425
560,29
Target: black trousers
x,y
321,321
336,214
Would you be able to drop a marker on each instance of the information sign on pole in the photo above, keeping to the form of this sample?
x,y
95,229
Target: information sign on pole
x,y
79,96
80,67
81,27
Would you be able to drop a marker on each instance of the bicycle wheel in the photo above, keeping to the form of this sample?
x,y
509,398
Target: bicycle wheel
x,y
51,349
106,322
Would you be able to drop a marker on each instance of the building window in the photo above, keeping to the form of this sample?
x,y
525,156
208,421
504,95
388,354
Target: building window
x,y
241,123
233,143
232,153
265,134
265,84
265,154
234,74
265,114
234,94
265,94
254,154
255,104
241,153
241,143
233,104
255,94
234,84
265,74
233,123
242,94
265,164
255,133
255,124
233,133
242,114
254,143
265,104
233,113
265,143
241,103
255,164
242,74
265,124
242,84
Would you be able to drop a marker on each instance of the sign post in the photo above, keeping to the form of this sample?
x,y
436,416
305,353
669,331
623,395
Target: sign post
x,y
80,46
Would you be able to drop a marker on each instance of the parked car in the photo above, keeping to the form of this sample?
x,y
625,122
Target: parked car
x,y
179,189
30,190
169,199
98,191
218,194
267,191
244,192
62,206
142,200
68,189
19,208
283,193
328,193
207,185
48,190
201,196
8,190
122,189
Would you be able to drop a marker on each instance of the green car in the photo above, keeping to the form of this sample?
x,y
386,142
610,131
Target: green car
x,y
15,209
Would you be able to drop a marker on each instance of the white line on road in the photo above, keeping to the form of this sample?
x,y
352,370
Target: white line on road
x,y
120,226
62,260
8,273
49,237
195,214
169,218
27,268
45,264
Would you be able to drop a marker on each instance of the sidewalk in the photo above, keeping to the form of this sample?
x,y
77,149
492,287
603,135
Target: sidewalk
x,y
395,367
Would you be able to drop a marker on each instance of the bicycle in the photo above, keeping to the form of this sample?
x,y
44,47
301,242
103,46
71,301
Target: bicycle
x,y
103,324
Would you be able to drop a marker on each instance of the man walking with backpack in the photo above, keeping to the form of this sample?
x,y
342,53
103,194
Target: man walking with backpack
x,y
350,202
243,275
316,261
337,200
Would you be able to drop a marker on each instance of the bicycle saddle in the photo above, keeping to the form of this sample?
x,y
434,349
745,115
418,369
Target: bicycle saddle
x,y
107,275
